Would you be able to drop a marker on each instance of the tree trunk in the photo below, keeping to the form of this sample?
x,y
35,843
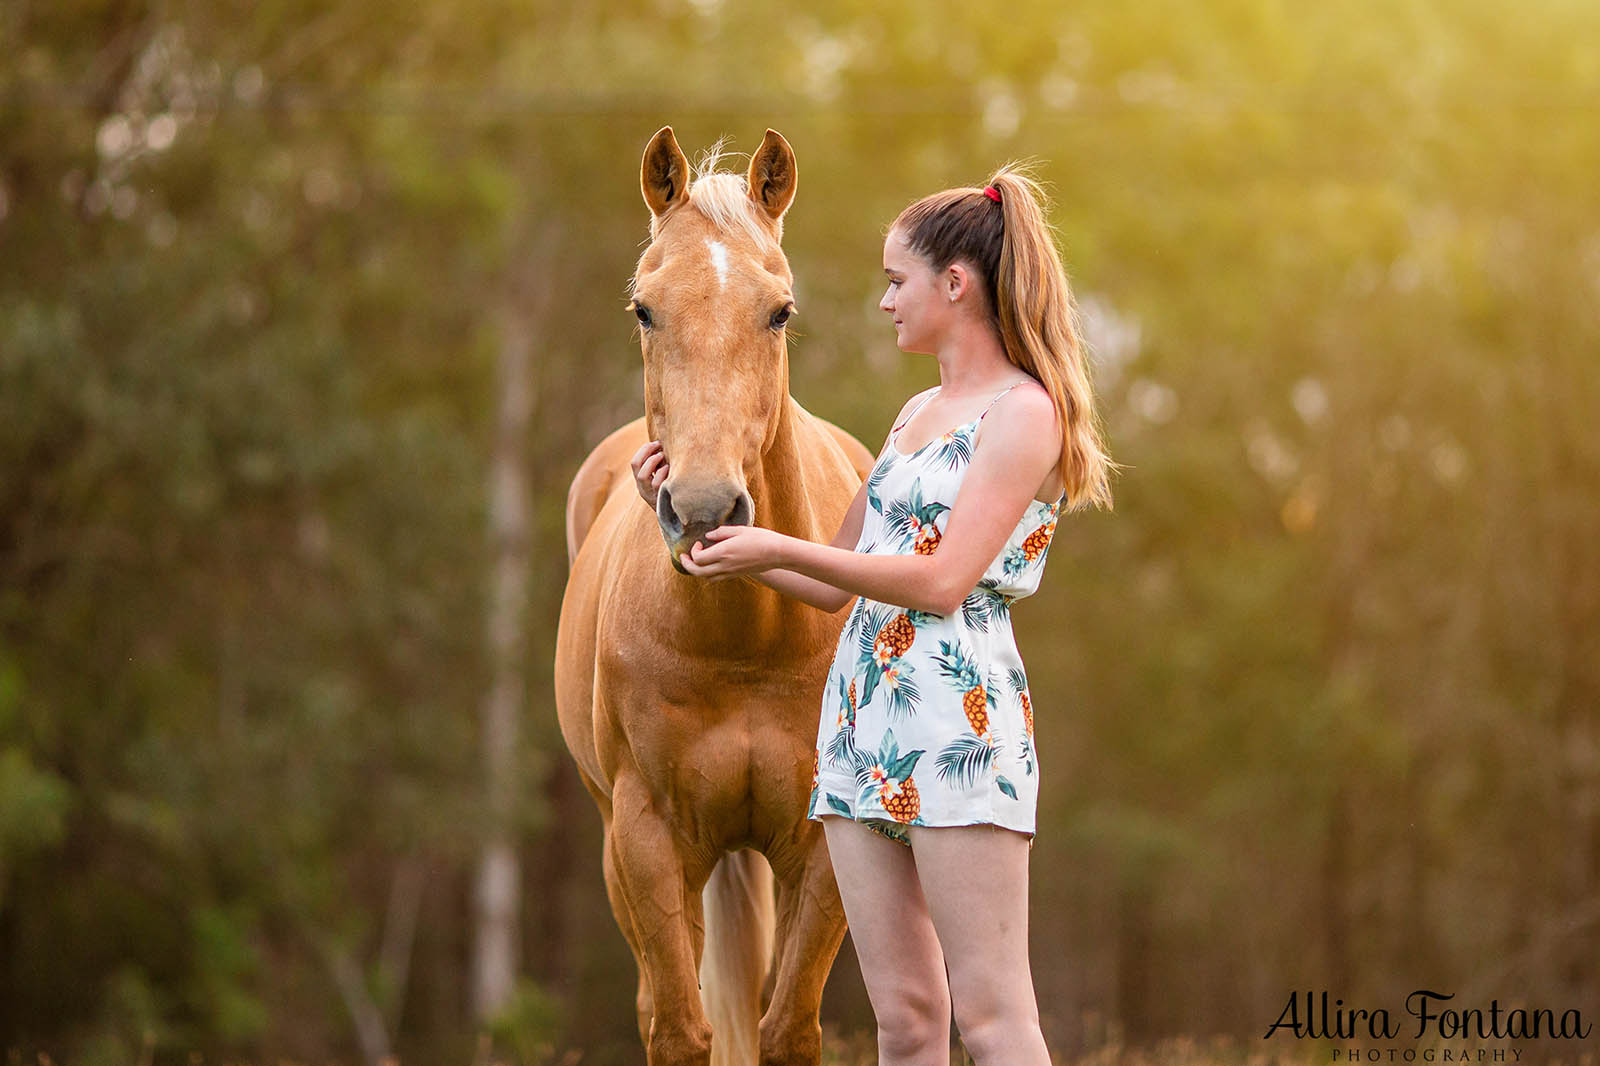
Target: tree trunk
x,y
371,1032
499,875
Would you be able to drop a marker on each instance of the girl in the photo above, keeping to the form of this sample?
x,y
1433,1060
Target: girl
x,y
927,776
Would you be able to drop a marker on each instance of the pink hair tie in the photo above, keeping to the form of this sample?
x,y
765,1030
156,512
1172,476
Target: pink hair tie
x,y
992,193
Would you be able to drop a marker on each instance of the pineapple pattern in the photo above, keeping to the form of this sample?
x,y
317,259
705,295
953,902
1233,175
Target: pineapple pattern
x,y
915,522
1019,686
1033,545
927,718
976,698
887,634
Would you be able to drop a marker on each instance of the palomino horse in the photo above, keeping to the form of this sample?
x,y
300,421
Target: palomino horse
x,y
690,705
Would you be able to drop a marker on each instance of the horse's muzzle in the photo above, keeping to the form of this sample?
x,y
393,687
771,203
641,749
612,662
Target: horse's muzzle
x,y
687,516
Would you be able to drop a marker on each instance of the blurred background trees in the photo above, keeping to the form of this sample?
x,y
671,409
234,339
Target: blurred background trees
x,y
1316,704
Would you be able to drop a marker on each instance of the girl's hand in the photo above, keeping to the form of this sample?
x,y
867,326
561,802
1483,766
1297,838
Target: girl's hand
x,y
728,551
649,471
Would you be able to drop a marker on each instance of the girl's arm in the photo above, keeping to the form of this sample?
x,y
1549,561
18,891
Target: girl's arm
x,y
1011,459
820,594
904,580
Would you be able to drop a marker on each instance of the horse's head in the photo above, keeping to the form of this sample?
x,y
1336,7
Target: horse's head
x,y
712,293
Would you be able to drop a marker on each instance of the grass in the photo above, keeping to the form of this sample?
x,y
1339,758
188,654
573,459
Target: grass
x,y
860,1050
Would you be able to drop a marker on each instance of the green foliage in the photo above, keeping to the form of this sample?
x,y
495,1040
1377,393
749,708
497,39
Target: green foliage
x,y
1338,268
227,965
531,1025
33,806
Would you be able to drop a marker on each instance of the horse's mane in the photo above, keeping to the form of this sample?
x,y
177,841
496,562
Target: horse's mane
x,y
724,197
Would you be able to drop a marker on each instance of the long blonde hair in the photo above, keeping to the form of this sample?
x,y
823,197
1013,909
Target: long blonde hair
x,y
1029,301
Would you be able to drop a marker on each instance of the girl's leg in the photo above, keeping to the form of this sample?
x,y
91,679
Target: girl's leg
x,y
975,881
895,943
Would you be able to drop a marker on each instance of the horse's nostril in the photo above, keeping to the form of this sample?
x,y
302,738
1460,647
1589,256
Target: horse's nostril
x,y
666,514
740,515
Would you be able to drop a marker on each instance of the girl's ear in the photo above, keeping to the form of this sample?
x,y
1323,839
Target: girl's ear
x,y
956,280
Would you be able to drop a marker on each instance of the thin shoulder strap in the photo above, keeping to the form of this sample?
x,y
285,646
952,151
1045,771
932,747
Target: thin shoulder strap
x,y
996,400
917,408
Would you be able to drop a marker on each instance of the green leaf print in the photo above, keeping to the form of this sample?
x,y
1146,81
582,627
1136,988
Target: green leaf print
x,y
978,610
880,769
1018,683
839,805
887,634
875,766
841,749
985,605
1006,786
955,448
965,759
874,484
961,669
911,518
889,755
847,704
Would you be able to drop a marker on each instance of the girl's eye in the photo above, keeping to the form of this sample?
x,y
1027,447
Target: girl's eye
x,y
643,314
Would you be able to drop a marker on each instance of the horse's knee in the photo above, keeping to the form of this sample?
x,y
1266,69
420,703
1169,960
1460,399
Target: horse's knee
x,y
685,1044
798,1044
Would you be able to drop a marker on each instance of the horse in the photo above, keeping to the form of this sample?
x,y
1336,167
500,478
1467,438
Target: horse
x,y
690,706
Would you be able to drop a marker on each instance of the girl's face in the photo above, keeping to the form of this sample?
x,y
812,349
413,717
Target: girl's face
x,y
916,297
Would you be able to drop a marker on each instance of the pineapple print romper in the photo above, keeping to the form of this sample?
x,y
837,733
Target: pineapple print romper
x,y
926,718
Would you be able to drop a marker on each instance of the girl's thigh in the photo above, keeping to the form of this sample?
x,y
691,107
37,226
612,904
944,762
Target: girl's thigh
x,y
974,881
893,933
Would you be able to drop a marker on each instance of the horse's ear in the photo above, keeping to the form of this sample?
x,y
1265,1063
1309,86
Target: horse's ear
x,y
773,175
664,174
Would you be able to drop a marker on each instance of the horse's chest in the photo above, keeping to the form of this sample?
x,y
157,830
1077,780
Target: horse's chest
x,y
706,727
676,669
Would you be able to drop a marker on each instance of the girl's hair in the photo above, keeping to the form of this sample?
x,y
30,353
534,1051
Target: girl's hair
x,y
1029,302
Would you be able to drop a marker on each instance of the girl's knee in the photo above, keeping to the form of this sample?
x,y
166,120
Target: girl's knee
x,y
990,1035
914,1021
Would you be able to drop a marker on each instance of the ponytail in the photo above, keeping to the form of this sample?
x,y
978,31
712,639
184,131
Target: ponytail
x,y
1039,327
1030,302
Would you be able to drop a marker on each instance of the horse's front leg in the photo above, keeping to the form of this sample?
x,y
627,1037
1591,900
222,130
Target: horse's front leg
x,y
811,926
619,907
662,890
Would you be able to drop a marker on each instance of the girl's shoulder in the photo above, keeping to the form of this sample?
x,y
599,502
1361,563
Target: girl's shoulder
x,y
1028,402
1028,396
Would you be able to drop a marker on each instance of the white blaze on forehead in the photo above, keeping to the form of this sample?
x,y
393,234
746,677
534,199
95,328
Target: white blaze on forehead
x,y
719,259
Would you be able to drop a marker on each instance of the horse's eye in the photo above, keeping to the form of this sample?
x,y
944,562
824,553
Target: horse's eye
x,y
781,316
643,312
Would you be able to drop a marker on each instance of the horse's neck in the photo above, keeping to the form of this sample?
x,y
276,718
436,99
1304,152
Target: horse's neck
x,y
741,619
781,498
